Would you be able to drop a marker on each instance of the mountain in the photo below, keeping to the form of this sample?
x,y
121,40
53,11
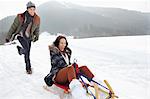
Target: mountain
x,y
4,27
92,21
81,21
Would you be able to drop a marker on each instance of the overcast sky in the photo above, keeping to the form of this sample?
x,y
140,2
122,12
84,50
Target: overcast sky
x,y
12,7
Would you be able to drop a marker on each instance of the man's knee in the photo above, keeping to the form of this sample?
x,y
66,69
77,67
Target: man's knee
x,y
26,52
19,38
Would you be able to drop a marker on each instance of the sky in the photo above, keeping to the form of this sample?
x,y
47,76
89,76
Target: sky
x,y
12,7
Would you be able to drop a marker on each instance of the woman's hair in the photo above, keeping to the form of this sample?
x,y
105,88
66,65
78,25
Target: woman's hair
x,y
56,42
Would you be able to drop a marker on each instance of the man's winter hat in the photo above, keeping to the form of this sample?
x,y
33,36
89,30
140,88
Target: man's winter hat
x,y
30,4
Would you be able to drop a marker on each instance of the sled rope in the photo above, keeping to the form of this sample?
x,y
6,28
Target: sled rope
x,y
87,89
94,81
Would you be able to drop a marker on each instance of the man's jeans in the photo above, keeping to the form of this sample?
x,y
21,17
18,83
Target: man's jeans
x,y
26,44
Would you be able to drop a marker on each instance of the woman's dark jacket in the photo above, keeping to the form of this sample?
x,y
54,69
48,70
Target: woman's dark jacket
x,y
57,63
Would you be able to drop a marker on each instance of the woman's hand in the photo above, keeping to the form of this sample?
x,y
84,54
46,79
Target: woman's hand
x,y
69,65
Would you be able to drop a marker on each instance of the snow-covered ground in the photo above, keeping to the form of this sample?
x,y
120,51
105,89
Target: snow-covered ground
x,y
123,61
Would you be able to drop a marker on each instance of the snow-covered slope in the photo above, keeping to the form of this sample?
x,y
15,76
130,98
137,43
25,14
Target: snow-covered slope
x,y
123,61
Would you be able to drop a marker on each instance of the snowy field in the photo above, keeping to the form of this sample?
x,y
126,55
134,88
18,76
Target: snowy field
x,y
123,61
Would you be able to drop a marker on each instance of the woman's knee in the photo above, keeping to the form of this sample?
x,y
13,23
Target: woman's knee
x,y
83,68
71,68
71,73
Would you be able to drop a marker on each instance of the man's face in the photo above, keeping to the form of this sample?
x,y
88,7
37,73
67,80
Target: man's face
x,y
31,11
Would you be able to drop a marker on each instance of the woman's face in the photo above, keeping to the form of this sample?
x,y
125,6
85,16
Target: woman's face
x,y
62,44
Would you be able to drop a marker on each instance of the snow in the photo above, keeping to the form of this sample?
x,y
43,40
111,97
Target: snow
x,y
123,61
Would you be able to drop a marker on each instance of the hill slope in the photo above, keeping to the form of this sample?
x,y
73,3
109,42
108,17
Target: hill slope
x,y
123,61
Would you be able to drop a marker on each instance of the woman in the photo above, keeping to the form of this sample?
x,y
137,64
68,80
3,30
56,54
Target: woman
x,y
62,72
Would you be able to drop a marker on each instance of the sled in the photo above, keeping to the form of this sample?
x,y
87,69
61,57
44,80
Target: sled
x,y
102,93
111,93
64,87
99,93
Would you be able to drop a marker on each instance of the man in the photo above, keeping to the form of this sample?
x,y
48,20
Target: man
x,y
26,29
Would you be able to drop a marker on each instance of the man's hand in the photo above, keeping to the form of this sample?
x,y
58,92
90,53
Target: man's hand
x,y
35,39
6,40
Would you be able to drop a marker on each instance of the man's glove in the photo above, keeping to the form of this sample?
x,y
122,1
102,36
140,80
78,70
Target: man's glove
x,y
35,38
6,40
